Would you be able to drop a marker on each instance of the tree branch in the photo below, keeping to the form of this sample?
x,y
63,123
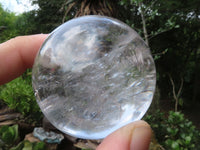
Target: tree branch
x,y
144,24
152,36
68,9
180,89
176,96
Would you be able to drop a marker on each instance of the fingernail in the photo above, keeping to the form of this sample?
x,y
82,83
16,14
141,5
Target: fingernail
x,y
141,138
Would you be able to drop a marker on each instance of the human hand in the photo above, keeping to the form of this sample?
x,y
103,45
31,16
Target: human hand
x,y
18,54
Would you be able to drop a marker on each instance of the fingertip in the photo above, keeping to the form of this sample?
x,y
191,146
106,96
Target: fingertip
x,y
18,54
141,138
134,136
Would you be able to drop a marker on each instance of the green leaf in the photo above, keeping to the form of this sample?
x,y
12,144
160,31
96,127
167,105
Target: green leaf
x,y
175,145
39,146
16,132
188,140
9,134
19,146
27,145
7,137
3,129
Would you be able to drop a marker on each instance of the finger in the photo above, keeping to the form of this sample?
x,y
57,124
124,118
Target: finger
x,y
134,136
18,54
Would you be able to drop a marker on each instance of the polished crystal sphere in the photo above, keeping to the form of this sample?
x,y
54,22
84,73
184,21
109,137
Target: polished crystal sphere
x,y
93,75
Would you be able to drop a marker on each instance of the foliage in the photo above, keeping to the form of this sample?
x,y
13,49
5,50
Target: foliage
x,y
63,10
18,94
7,29
26,145
9,136
174,132
12,25
26,23
173,34
77,8
49,16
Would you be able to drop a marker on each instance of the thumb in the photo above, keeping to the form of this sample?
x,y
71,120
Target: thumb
x,y
134,136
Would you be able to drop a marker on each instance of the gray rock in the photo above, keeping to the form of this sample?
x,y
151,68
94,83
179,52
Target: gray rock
x,y
49,137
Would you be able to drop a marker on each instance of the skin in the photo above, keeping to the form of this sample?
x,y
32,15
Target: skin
x,y
18,54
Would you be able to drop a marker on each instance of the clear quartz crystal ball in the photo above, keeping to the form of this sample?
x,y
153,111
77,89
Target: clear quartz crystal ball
x,y
93,75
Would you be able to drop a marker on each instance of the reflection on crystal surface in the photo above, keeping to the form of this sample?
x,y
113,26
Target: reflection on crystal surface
x,y
92,76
